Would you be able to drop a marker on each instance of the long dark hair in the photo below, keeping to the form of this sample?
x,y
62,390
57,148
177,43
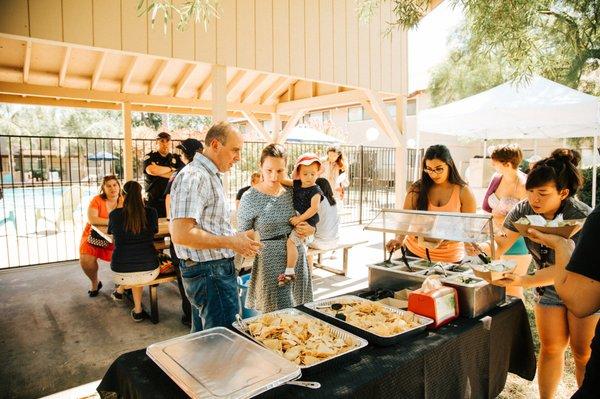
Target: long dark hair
x,y
560,168
326,188
134,213
421,187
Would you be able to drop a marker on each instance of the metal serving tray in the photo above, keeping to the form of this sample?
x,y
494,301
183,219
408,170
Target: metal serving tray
x,y
371,337
337,332
218,363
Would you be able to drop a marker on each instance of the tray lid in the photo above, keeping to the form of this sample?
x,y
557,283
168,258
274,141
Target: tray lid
x,y
218,363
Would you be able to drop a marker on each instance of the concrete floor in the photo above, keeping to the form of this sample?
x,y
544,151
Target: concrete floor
x,y
54,337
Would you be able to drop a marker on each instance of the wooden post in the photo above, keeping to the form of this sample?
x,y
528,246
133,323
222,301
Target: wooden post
x,y
219,93
128,143
276,124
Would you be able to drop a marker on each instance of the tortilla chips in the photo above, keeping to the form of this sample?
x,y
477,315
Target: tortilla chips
x,y
373,317
299,339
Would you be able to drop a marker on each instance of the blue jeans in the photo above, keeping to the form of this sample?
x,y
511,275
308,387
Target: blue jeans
x,y
212,290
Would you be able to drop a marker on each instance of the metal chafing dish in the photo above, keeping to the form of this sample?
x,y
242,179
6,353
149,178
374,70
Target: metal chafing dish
x,y
336,331
372,337
218,363
474,299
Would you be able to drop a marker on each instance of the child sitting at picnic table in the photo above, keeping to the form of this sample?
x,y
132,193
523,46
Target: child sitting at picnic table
x,y
307,196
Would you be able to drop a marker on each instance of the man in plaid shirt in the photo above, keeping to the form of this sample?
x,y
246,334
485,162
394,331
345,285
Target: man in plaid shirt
x,y
201,230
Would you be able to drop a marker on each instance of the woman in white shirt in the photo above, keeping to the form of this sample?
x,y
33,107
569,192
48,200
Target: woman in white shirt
x,y
327,233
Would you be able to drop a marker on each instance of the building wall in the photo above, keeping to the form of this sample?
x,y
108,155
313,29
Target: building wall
x,y
319,40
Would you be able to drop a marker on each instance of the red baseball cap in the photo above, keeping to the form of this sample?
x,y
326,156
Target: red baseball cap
x,y
308,158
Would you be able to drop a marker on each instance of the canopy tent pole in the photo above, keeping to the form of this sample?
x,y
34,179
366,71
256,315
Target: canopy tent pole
x,y
484,148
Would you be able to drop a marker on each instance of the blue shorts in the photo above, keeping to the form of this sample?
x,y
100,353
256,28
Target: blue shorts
x,y
549,297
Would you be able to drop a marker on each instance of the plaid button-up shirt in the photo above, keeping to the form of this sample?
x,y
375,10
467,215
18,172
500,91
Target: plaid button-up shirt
x,y
198,194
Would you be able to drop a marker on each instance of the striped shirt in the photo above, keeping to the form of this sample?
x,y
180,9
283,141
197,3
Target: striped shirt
x,y
197,193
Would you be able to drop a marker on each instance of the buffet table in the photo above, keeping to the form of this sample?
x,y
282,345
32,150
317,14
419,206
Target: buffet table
x,y
467,358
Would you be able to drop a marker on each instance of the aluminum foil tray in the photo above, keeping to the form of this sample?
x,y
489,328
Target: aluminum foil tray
x,y
371,337
219,363
337,332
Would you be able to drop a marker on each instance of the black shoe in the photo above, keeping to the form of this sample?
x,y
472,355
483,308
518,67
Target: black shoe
x,y
138,316
93,293
116,296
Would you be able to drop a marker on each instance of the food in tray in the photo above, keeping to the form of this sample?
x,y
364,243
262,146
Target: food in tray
x,y
372,317
495,266
299,339
548,223
467,280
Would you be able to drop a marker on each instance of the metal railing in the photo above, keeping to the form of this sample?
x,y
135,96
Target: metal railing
x,y
47,182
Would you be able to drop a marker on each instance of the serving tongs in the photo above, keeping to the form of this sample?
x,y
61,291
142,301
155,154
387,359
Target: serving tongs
x,y
388,261
242,322
403,250
481,255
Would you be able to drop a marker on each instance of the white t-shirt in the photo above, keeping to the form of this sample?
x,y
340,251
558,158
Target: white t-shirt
x,y
327,233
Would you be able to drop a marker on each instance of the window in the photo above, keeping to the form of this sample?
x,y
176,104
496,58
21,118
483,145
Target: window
x,y
391,109
411,107
355,114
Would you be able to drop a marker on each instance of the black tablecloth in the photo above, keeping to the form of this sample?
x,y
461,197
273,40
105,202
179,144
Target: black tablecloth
x,y
467,358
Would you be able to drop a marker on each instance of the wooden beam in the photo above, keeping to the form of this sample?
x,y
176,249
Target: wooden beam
x,y
129,74
65,65
157,77
219,93
380,109
291,123
127,142
344,98
185,79
380,122
234,82
106,96
276,90
276,127
313,90
53,102
27,62
257,126
206,86
252,90
98,71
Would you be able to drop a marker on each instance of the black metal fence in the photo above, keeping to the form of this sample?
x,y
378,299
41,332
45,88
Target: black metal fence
x,y
47,182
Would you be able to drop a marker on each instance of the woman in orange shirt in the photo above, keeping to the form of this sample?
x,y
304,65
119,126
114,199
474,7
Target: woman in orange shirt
x,y
101,205
440,189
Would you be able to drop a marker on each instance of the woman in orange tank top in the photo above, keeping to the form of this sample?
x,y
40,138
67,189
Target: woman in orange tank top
x,y
440,189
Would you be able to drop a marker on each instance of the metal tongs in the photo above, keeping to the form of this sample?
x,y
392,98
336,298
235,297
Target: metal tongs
x,y
241,322
403,250
481,255
389,259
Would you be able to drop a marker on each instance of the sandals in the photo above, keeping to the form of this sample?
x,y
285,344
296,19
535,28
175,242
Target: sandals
x,y
94,293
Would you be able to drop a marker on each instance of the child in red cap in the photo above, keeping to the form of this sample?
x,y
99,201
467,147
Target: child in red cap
x,y
307,197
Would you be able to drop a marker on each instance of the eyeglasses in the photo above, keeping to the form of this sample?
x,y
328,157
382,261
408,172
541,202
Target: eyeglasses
x,y
438,171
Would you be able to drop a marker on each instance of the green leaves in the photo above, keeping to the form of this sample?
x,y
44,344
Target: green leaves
x,y
197,10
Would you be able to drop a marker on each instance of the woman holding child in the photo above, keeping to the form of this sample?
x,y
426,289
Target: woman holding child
x,y
267,208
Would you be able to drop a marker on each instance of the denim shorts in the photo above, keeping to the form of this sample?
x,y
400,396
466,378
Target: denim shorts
x,y
211,288
549,297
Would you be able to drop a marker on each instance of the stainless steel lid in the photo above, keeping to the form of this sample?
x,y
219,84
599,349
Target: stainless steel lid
x,y
218,363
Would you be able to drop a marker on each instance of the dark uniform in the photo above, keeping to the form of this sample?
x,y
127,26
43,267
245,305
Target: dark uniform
x,y
155,185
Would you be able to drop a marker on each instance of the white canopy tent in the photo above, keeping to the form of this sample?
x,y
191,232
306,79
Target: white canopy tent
x,y
537,109
302,134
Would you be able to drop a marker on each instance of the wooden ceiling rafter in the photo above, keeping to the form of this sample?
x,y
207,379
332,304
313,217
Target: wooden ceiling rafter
x,y
62,75
98,71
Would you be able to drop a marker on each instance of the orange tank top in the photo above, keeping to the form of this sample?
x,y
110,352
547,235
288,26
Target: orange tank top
x,y
448,251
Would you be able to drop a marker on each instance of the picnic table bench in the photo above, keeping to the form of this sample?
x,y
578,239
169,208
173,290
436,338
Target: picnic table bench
x,y
345,246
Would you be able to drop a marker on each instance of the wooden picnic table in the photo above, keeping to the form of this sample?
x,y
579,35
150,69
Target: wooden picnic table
x,y
163,230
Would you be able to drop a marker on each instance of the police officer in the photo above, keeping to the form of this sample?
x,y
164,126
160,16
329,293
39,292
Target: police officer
x,y
158,168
